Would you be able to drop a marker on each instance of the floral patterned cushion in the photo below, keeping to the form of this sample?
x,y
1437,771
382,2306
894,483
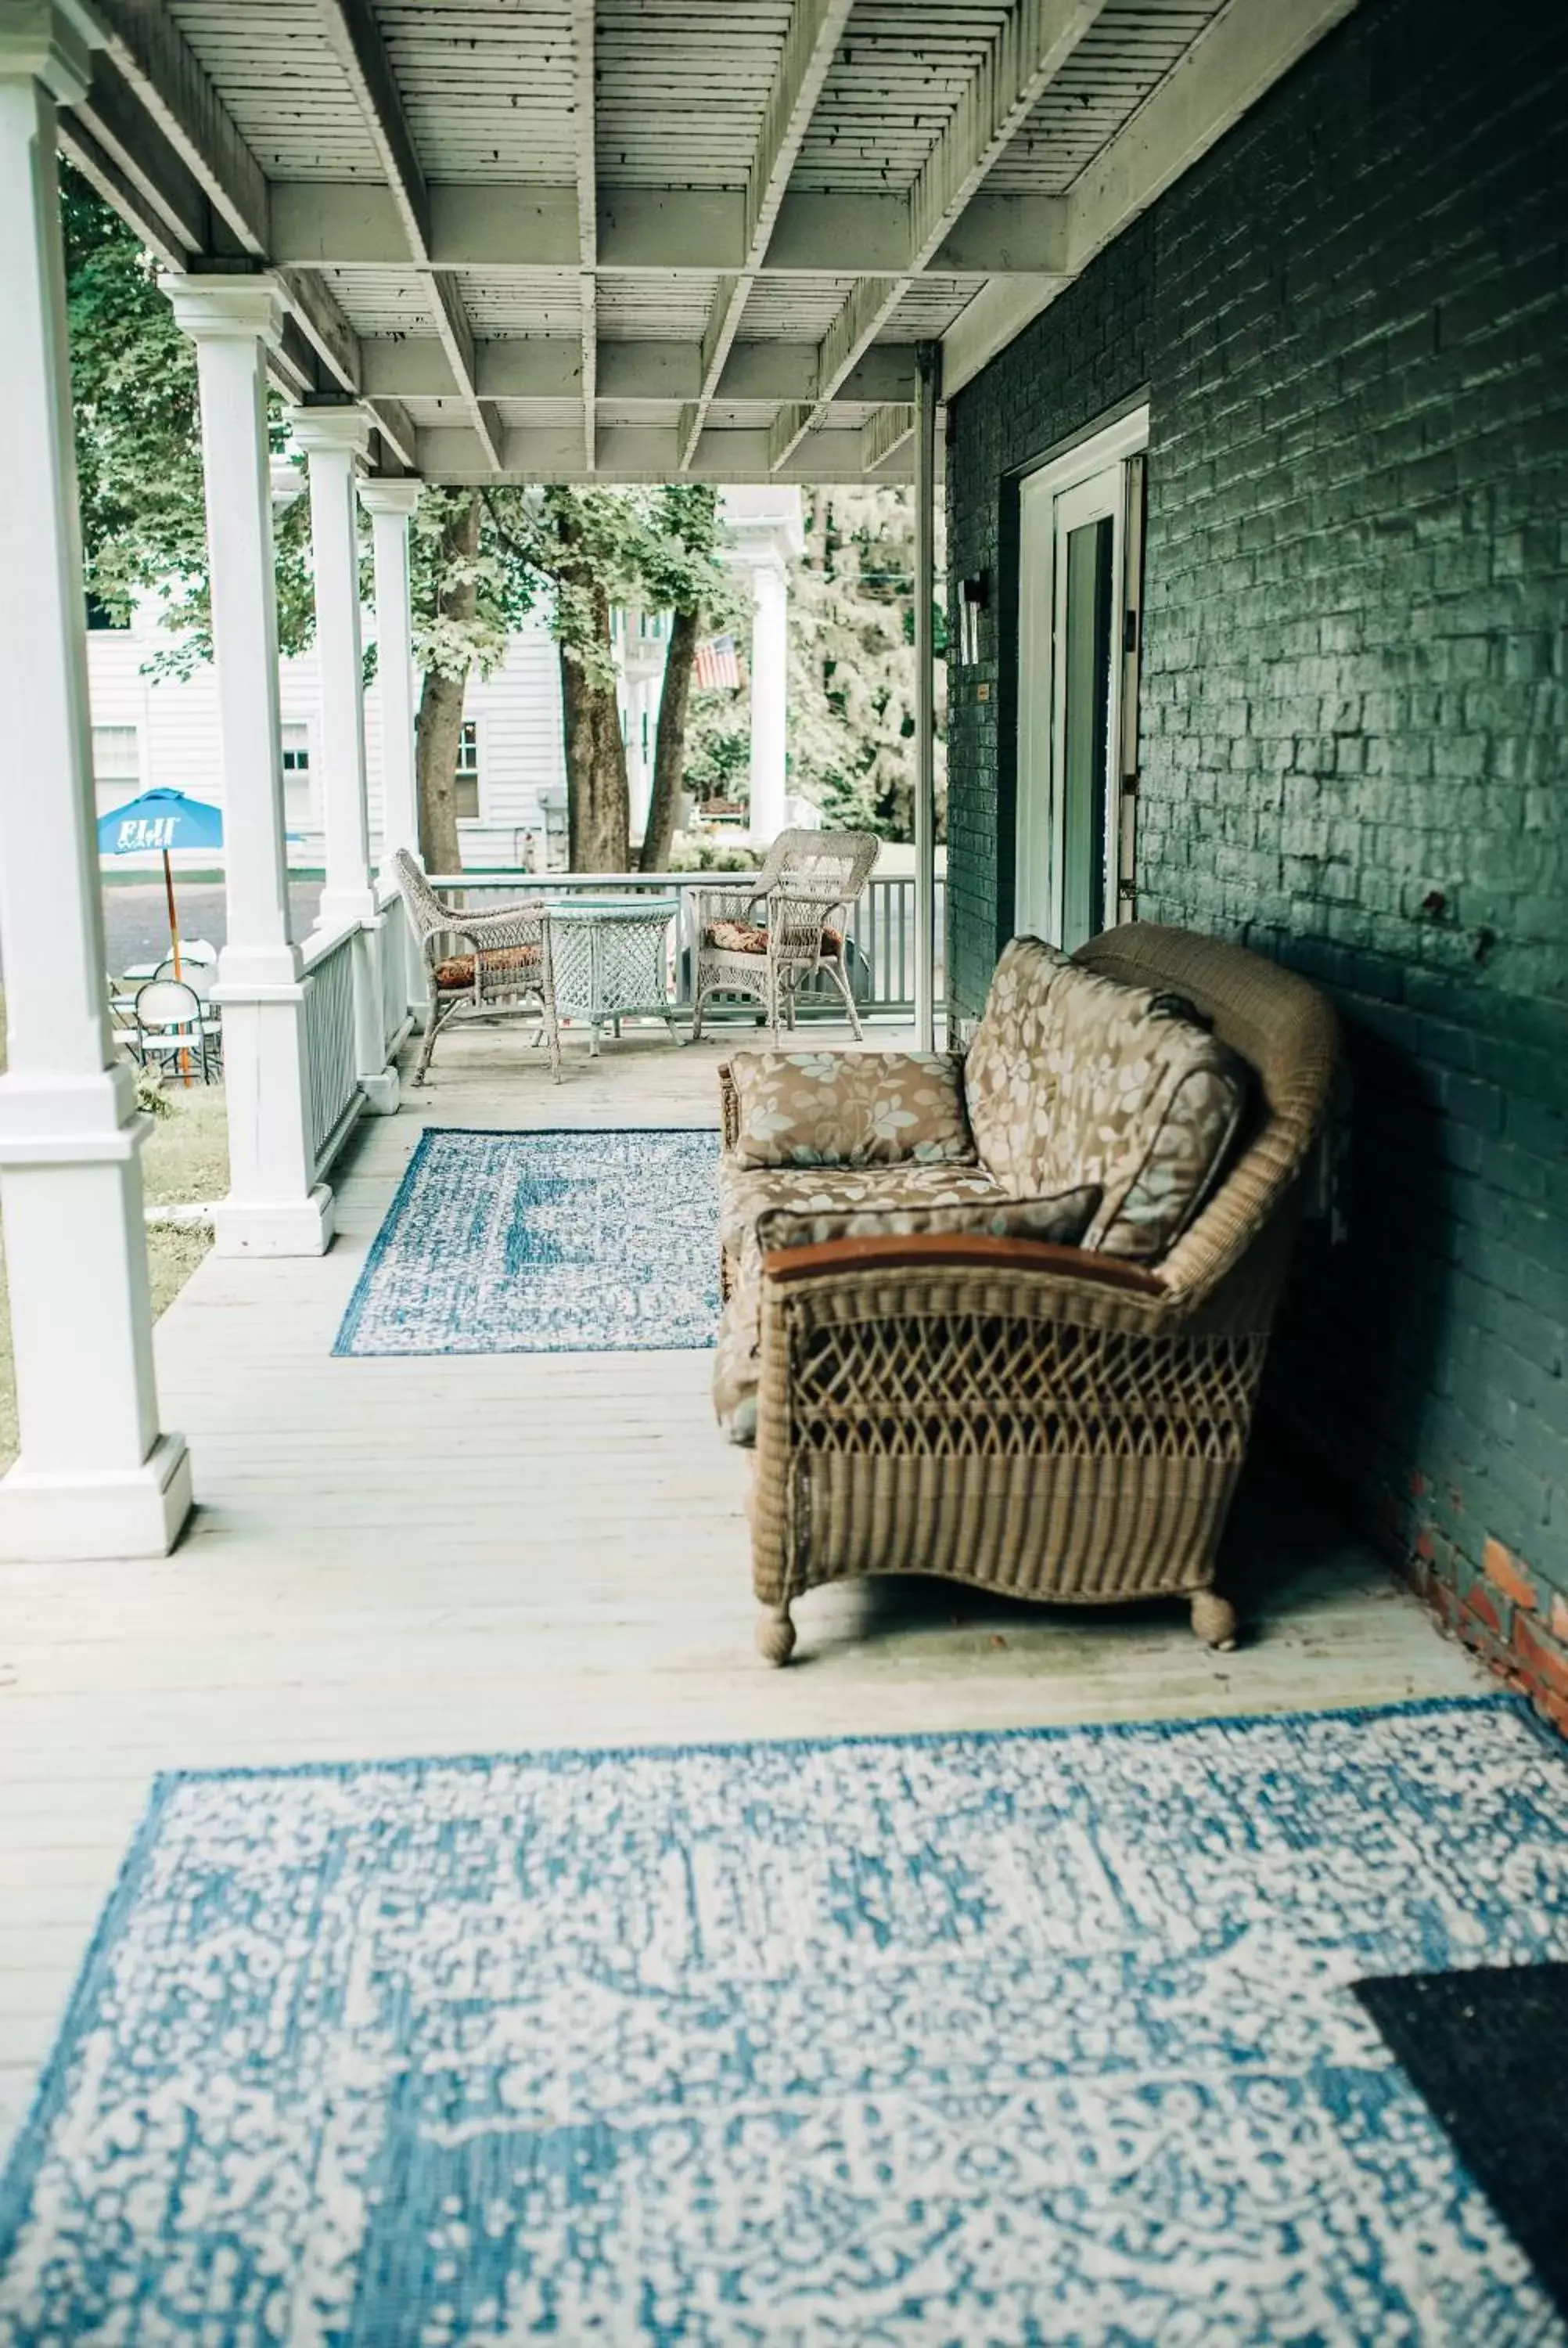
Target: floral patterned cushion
x,y
1009,1102
1063,1220
751,938
747,1192
1078,1080
851,1108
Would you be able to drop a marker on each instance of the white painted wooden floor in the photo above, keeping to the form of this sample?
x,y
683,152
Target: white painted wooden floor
x,y
431,1556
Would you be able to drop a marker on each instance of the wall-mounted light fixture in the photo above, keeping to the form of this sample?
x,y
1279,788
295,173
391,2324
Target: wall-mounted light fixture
x,y
973,600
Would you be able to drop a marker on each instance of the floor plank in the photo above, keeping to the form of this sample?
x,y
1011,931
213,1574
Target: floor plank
x,y
405,1557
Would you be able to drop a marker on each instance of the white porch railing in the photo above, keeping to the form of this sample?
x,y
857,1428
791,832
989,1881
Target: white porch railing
x,y
334,1095
881,930
395,1020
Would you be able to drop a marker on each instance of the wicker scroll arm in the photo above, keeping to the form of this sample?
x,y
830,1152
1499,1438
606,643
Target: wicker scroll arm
x,y
510,948
1010,1413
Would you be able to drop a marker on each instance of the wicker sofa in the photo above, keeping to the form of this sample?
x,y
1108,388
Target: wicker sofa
x,y
1017,1343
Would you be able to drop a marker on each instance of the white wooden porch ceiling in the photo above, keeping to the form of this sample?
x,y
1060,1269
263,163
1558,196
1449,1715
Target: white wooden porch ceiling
x,y
549,239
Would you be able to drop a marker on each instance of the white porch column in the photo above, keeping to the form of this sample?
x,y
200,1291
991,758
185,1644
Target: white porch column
x,y
336,441
95,1477
770,664
275,1206
929,356
390,505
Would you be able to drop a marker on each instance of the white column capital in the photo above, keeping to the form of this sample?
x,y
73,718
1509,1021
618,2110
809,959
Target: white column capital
x,y
339,430
383,497
247,307
49,41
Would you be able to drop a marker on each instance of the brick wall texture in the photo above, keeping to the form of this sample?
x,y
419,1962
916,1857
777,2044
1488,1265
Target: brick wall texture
x,y
1351,323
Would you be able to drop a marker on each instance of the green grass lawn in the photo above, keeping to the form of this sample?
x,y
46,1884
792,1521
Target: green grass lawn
x,y
186,1159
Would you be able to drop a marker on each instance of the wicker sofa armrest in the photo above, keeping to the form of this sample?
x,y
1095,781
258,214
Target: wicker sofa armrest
x,y
729,1109
977,1250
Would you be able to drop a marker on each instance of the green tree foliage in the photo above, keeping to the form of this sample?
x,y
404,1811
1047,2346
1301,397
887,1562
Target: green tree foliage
x,y
138,442
852,671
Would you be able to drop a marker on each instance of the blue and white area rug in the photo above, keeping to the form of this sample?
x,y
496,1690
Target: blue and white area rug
x,y
548,1242
973,2040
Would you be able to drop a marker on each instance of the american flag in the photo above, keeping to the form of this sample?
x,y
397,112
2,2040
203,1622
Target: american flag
x,y
716,667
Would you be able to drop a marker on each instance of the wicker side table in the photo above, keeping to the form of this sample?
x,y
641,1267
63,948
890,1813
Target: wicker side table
x,y
607,960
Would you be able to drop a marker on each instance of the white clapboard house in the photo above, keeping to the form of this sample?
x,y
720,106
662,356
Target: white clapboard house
x,y
157,732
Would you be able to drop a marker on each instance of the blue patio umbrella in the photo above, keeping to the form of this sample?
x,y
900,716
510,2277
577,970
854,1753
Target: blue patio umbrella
x,y
161,820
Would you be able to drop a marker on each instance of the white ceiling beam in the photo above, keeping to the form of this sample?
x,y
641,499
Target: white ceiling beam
x,y
1031,47
1032,44
355,224
325,328
165,190
1236,58
816,28
396,428
154,58
456,339
638,453
885,433
129,197
549,367
355,39
585,150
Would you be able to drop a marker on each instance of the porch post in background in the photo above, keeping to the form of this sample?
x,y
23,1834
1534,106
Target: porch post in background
x,y
390,505
336,441
274,1206
929,358
770,667
95,1477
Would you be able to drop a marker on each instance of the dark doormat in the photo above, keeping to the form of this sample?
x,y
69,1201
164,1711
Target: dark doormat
x,y
1488,2051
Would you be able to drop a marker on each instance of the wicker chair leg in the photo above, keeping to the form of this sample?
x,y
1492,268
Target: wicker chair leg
x,y
432,1028
1213,1619
841,979
775,1634
697,999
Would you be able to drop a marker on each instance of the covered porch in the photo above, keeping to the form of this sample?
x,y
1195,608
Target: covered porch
x,y
528,1550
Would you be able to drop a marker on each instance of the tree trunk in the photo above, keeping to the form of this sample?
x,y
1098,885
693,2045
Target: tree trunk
x,y
670,744
439,732
598,795
579,726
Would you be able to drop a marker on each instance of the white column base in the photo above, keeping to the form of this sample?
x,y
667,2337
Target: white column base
x,y
289,1227
382,1094
50,1517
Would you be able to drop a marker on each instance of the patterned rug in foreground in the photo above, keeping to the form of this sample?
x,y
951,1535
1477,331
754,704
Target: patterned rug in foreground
x,y
964,2040
545,1243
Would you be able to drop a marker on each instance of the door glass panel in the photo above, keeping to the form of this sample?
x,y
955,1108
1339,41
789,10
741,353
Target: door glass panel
x,y
1085,747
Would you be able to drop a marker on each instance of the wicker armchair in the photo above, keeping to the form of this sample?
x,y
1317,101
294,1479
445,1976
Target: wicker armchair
x,y
480,965
807,878
1032,1418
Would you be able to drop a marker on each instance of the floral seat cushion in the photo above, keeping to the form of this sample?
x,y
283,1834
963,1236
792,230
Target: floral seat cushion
x,y
1077,1079
751,937
851,1108
455,974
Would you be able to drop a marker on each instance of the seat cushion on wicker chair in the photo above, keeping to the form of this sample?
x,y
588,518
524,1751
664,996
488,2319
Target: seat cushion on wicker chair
x,y
751,937
1079,1079
850,1108
455,974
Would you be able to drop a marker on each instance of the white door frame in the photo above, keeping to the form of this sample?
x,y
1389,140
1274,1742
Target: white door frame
x,y
1048,509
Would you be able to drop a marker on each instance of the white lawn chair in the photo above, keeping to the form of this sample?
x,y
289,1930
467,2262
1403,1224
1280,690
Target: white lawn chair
x,y
172,1030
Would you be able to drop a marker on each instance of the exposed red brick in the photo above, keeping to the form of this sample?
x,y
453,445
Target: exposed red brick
x,y
1507,1572
1545,1661
1559,1618
1425,1546
1417,1483
1483,1606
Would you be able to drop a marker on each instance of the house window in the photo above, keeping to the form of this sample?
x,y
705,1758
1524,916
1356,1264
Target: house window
x,y
298,806
101,616
117,765
467,793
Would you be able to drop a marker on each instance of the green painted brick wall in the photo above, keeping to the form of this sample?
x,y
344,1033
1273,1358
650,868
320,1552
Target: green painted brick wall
x,y
1351,322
